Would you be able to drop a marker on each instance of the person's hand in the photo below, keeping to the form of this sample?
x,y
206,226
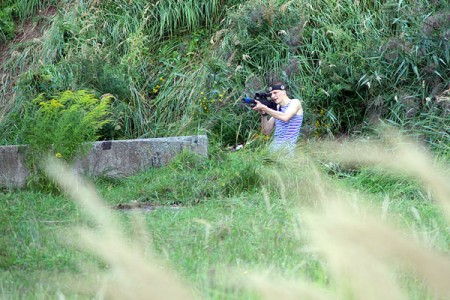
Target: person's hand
x,y
258,106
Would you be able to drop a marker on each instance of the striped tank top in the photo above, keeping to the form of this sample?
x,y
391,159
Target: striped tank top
x,y
286,133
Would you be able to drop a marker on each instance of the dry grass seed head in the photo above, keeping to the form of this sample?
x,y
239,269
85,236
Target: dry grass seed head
x,y
396,155
365,249
133,275
350,238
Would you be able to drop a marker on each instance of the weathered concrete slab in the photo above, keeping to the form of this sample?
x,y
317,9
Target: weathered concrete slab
x,y
13,172
109,158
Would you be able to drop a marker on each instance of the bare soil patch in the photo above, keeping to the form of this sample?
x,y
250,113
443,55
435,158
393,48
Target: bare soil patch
x,y
144,206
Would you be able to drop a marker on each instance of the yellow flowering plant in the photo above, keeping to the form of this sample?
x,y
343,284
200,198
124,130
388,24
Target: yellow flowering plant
x,y
62,124
157,87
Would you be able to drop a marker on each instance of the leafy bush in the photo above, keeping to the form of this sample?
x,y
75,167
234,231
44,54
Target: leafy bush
x,y
61,125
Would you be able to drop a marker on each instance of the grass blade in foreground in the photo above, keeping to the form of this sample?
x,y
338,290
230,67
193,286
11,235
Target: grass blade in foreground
x,y
133,275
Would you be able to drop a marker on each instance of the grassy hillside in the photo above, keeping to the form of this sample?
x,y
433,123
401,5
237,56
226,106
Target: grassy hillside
x,y
181,67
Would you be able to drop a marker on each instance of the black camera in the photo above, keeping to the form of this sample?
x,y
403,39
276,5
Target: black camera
x,y
264,98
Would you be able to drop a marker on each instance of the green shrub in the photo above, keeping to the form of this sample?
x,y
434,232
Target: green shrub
x,y
62,125
7,26
64,122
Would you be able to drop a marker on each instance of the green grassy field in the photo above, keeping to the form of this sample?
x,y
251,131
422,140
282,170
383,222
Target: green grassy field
x,y
243,239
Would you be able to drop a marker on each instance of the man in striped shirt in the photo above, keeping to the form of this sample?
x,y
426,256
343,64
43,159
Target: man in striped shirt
x,y
287,119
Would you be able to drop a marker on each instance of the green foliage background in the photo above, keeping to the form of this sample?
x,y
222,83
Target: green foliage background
x,y
181,67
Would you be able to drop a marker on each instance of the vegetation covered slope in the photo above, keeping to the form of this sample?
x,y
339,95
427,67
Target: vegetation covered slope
x,y
181,67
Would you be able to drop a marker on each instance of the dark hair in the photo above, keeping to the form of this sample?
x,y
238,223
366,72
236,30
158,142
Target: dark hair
x,y
277,83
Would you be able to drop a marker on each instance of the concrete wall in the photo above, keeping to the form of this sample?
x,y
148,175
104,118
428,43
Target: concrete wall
x,y
13,172
109,158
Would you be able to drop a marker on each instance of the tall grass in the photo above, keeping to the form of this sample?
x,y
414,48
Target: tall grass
x,y
25,9
351,63
16,15
363,252
374,239
13,13
172,18
244,226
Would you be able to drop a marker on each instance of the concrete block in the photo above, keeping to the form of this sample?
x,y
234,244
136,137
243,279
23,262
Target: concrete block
x,y
117,158
13,172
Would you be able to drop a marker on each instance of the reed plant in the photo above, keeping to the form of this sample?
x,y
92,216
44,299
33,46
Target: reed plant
x,y
404,254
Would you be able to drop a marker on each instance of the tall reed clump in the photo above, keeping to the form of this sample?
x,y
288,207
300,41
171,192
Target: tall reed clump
x,y
61,125
408,81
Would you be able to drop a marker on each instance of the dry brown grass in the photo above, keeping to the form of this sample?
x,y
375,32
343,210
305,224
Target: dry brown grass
x,y
364,250
133,270
396,154
367,254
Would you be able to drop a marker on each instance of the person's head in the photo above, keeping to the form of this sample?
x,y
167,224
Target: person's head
x,y
278,92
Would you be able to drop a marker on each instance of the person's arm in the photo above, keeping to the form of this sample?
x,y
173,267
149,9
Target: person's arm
x,y
292,110
267,125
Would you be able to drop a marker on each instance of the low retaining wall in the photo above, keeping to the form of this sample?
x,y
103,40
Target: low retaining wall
x,y
109,158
